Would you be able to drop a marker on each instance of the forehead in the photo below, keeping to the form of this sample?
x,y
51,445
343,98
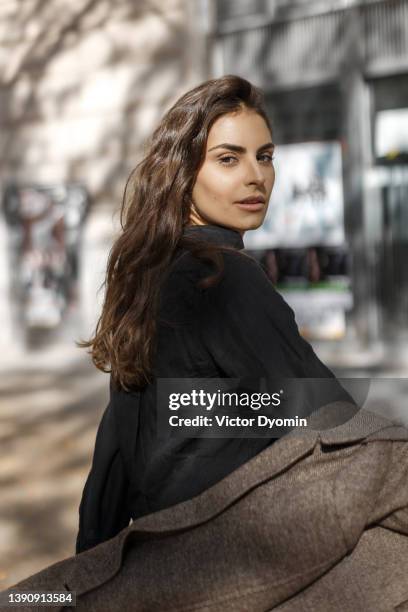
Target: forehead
x,y
244,128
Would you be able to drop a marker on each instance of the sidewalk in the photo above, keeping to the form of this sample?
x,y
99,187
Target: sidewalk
x,y
351,358
50,404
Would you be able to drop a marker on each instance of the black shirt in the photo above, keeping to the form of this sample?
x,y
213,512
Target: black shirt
x,y
240,328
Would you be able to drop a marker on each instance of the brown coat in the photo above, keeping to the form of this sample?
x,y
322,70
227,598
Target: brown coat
x,y
316,522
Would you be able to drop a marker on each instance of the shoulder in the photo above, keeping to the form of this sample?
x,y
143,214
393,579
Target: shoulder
x,y
242,269
237,265
243,282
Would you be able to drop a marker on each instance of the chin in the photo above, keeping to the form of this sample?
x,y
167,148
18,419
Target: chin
x,y
251,224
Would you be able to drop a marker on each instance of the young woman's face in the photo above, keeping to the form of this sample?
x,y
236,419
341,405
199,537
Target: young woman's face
x,y
237,166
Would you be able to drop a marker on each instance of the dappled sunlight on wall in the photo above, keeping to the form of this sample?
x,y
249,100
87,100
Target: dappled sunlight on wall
x,y
83,85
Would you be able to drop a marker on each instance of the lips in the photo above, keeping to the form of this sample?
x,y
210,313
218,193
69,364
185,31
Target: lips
x,y
251,205
252,200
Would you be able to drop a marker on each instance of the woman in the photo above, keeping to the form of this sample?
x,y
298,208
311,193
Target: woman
x,y
183,301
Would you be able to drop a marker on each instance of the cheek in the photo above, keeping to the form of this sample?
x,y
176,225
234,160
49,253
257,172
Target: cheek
x,y
216,183
270,179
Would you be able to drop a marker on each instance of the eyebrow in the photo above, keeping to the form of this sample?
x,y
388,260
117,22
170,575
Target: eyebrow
x,y
239,149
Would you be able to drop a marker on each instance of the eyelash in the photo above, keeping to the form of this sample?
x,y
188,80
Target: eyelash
x,y
224,163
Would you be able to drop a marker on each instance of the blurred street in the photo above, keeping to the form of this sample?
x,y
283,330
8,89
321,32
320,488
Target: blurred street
x,y
50,405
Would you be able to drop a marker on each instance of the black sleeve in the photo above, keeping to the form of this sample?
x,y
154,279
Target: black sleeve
x,y
103,510
250,331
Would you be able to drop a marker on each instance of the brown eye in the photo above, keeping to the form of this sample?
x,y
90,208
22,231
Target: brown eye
x,y
228,160
267,158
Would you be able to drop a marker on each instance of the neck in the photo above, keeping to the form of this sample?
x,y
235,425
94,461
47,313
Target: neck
x,y
197,219
194,222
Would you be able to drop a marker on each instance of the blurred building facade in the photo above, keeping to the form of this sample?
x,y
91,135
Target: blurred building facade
x,y
81,87
336,71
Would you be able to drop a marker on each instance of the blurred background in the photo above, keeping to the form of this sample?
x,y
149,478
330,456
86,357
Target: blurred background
x,y
82,84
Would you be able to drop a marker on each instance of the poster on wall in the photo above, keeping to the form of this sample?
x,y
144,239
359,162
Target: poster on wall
x,y
306,206
44,227
391,136
301,244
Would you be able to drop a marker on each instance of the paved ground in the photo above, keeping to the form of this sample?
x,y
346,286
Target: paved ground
x,y
49,410
50,405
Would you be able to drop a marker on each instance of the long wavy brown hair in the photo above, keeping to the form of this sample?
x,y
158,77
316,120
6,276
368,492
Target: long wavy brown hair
x,y
155,210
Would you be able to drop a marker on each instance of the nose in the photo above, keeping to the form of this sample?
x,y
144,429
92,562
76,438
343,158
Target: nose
x,y
254,173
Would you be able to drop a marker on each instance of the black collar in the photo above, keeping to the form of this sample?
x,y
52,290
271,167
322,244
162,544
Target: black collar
x,y
216,233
